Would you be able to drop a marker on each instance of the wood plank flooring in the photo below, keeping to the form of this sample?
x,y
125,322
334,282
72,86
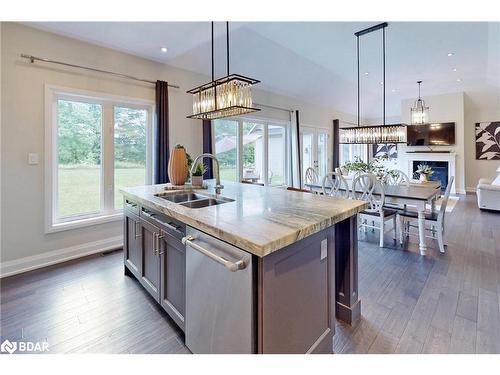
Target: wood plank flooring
x,y
410,304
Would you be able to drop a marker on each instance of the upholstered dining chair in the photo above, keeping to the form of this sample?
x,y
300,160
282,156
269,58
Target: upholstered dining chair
x,y
336,184
312,177
363,188
435,219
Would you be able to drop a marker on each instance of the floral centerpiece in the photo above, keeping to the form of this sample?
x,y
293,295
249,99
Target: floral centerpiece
x,y
424,171
374,166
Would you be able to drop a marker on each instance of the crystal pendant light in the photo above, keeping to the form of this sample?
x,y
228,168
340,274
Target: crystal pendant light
x,y
395,133
224,97
419,112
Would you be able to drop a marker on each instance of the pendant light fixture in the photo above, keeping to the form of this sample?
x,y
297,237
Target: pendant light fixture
x,y
395,133
419,112
227,96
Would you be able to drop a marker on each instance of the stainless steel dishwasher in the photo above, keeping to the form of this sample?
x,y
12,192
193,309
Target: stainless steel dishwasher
x,y
219,296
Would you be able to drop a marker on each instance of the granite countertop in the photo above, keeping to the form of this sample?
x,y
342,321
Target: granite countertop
x,y
261,219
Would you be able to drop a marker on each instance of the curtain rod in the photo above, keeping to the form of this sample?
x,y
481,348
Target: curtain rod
x,y
272,107
34,58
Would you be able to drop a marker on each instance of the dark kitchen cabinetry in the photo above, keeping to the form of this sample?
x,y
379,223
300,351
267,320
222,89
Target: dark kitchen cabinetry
x,y
155,255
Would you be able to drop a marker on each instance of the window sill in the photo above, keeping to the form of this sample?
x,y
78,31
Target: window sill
x,y
82,223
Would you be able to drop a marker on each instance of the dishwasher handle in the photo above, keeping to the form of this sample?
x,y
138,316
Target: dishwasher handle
x,y
232,266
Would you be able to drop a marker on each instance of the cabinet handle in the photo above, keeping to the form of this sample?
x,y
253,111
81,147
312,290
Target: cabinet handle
x,y
148,214
154,243
136,223
233,267
158,237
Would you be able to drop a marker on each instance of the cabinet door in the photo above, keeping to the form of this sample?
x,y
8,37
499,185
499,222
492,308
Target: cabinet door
x,y
150,271
173,277
131,243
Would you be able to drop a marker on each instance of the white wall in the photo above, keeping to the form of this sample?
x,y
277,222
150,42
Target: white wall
x,y
480,106
442,108
24,243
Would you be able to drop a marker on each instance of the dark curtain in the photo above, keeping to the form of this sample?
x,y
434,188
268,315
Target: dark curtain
x,y
336,144
207,147
162,150
299,151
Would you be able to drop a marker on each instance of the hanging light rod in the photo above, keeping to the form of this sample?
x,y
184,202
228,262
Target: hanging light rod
x,y
223,97
32,60
395,133
371,29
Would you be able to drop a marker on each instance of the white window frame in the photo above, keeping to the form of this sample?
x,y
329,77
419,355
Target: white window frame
x,y
364,156
265,147
107,213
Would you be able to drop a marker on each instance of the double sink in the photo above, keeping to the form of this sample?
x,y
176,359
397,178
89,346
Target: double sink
x,y
194,200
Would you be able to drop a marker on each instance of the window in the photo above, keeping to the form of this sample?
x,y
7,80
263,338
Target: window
x,y
130,137
277,155
348,152
315,150
252,150
225,147
95,145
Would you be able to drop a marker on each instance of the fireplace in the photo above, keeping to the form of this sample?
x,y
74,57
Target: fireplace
x,y
440,169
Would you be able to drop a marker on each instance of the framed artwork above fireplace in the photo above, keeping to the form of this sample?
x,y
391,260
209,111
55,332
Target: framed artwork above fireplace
x,y
488,140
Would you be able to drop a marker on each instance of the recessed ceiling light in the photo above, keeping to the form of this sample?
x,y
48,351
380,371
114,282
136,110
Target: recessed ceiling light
x,y
459,79
450,54
381,83
454,69
393,90
366,73
163,49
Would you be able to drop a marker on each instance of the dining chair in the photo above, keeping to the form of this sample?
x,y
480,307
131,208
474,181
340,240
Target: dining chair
x,y
337,185
363,188
312,177
396,177
435,219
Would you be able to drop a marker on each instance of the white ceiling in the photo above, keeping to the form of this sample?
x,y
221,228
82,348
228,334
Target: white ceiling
x,y
316,61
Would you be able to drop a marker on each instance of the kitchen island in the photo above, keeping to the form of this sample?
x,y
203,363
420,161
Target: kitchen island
x,y
252,270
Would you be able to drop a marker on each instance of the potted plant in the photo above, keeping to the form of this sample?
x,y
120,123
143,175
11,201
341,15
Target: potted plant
x,y
424,171
197,177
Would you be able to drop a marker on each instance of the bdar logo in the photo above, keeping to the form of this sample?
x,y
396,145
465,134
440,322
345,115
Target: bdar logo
x,y
9,347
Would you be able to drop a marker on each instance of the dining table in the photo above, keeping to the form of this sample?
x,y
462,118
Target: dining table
x,y
415,194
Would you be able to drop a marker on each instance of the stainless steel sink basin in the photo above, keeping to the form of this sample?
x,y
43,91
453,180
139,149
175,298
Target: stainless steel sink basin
x,y
182,197
194,200
203,203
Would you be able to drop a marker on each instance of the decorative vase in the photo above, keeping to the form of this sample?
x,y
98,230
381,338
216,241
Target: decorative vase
x,y
177,166
423,177
196,180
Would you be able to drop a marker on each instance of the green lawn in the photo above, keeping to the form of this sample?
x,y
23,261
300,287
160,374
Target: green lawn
x,y
79,188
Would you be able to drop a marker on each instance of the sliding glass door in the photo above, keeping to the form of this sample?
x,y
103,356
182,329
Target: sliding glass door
x,y
252,150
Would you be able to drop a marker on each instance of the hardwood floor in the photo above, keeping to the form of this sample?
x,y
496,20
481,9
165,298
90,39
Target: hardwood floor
x,y
410,304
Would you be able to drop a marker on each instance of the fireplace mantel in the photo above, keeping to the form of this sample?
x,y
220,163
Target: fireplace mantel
x,y
433,156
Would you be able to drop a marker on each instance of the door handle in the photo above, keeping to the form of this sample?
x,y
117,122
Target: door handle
x,y
232,266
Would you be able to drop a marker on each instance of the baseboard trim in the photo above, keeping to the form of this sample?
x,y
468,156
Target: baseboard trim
x,y
16,266
470,190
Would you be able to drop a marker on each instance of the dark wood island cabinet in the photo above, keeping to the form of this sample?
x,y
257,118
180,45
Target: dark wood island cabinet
x,y
240,292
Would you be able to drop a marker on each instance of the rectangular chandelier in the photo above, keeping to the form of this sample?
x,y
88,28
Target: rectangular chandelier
x,y
223,97
373,134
